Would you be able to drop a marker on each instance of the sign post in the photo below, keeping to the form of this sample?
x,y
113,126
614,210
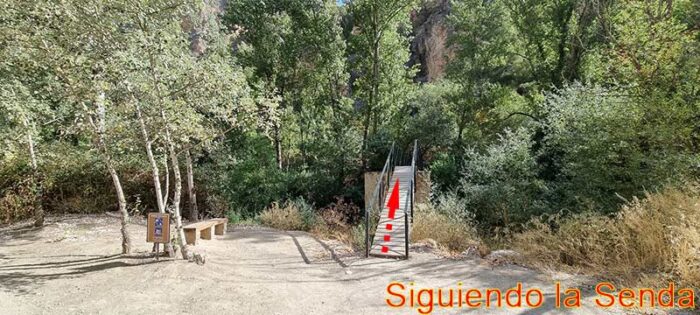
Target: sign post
x,y
158,229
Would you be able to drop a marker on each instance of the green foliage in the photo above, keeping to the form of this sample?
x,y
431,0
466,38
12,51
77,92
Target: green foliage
x,y
545,107
632,126
233,217
357,237
296,59
248,178
591,149
501,184
16,196
379,45
308,214
445,171
598,143
426,118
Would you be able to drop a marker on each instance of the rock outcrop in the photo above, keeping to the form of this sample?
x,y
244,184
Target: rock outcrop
x,y
212,9
429,47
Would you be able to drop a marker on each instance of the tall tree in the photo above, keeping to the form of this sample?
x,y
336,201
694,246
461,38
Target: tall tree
x,y
23,113
379,46
485,61
70,45
23,86
296,52
187,97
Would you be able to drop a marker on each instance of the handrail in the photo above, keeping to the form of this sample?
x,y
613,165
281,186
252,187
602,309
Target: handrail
x,y
378,194
414,159
406,226
394,157
411,196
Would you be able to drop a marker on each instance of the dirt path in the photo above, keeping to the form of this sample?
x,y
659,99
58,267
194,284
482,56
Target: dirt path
x,y
72,266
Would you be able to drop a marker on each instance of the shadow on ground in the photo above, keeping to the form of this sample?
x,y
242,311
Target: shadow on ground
x,y
23,278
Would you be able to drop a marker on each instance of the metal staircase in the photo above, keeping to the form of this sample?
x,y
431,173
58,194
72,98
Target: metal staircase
x,y
392,234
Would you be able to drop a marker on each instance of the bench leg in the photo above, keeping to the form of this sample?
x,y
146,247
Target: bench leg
x,y
191,236
220,228
206,233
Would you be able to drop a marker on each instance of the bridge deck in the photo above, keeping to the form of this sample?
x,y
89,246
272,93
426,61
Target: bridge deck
x,y
389,240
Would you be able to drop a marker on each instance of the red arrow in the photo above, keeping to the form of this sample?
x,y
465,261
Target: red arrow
x,y
393,203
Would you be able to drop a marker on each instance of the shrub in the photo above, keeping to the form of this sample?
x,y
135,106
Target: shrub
x,y
444,171
246,176
283,217
17,203
340,214
294,214
430,223
501,184
309,216
597,142
357,237
233,217
656,235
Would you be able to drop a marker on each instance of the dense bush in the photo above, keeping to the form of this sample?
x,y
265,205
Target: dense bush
x,y
601,143
74,181
589,150
247,176
16,194
501,184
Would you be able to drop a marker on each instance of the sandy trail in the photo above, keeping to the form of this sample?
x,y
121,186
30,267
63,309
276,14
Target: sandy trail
x,y
72,266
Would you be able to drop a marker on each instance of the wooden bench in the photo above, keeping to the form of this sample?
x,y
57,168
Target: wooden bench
x,y
204,229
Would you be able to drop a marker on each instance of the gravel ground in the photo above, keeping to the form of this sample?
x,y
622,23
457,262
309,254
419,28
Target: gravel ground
x,y
73,266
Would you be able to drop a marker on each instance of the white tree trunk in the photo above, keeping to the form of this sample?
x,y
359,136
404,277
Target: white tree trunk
x,y
178,187
154,166
126,240
99,127
37,182
160,199
194,214
167,181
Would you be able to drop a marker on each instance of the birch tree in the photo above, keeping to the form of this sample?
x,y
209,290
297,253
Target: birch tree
x,y
185,97
73,45
23,112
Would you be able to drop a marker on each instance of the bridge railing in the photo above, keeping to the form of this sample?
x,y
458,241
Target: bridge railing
x,y
376,203
411,196
414,170
380,190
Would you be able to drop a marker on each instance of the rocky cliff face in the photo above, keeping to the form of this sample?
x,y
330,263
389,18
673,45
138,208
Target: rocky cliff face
x,y
429,47
210,9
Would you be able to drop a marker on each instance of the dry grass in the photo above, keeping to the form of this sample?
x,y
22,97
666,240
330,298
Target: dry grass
x,y
328,223
649,240
284,217
452,235
334,225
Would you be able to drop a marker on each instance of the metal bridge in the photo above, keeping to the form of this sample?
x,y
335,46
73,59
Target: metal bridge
x,y
393,226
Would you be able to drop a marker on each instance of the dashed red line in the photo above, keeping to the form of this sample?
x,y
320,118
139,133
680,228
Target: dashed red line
x,y
393,204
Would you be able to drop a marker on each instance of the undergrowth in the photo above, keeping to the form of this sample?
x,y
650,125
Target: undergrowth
x,y
649,240
295,214
430,222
